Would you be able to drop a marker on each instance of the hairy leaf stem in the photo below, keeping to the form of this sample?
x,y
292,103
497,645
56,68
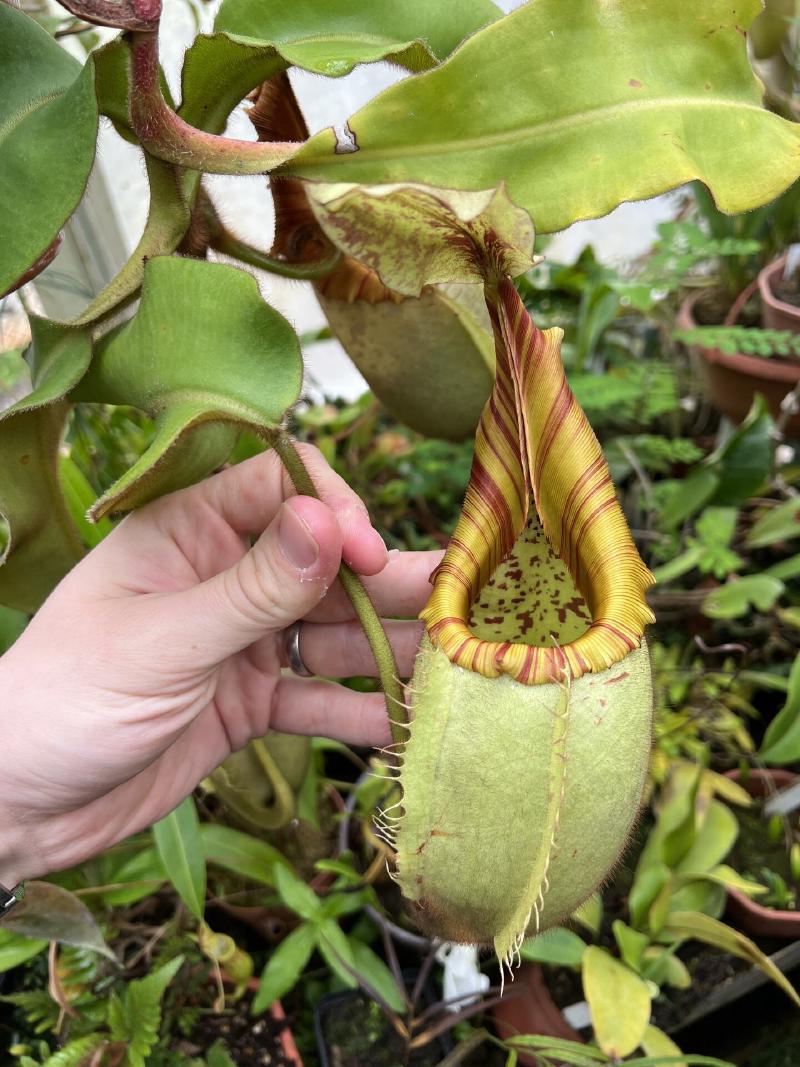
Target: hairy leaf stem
x,y
230,245
167,136
359,598
222,240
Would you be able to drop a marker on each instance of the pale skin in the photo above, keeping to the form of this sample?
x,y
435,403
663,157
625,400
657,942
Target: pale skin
x,y
162,652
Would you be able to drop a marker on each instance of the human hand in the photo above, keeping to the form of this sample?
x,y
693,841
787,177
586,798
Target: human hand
x,y
160,653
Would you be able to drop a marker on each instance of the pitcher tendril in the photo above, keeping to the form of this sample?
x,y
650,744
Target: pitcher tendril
x,y
359,598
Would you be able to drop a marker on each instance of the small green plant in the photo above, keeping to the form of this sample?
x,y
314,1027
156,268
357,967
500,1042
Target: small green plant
x,y
701,714
349,957
677,894
127,1031
751,340
779,893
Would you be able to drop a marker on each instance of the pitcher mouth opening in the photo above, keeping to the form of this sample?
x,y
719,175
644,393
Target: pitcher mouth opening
x,y
541,577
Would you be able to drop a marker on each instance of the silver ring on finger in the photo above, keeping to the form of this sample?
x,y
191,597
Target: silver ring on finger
x,y
292,646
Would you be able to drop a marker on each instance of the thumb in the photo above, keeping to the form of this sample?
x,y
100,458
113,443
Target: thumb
x,y
283,576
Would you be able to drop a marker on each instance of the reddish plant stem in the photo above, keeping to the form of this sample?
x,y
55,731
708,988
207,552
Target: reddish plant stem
x,y
166,136
125,15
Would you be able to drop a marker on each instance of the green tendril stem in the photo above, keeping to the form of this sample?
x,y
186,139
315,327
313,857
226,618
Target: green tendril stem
x,y
230,245
359,598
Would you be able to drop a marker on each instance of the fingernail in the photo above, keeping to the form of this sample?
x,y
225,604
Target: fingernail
x,y
296,539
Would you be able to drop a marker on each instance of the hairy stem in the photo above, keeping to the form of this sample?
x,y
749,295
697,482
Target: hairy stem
x,y
229,245
222,240
359,598
166,136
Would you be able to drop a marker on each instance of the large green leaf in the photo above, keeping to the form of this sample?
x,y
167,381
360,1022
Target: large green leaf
x,y
48,128
44,542
256,40
578,107
204,356
177,838
346,27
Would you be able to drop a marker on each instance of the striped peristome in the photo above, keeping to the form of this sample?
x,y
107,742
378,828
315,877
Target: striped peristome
x,y
535,451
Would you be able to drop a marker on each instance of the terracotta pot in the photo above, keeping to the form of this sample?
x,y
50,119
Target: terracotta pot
x,y
733,380
749,916
529,1009
776,314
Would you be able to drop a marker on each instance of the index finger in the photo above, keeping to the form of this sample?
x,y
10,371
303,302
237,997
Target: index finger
x,y
400,591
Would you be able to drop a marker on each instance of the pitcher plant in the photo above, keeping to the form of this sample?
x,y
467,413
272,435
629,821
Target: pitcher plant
x,y
530,704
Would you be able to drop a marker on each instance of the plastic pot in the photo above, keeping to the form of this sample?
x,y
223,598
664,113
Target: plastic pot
x,y
749,916
334,1003
733,380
